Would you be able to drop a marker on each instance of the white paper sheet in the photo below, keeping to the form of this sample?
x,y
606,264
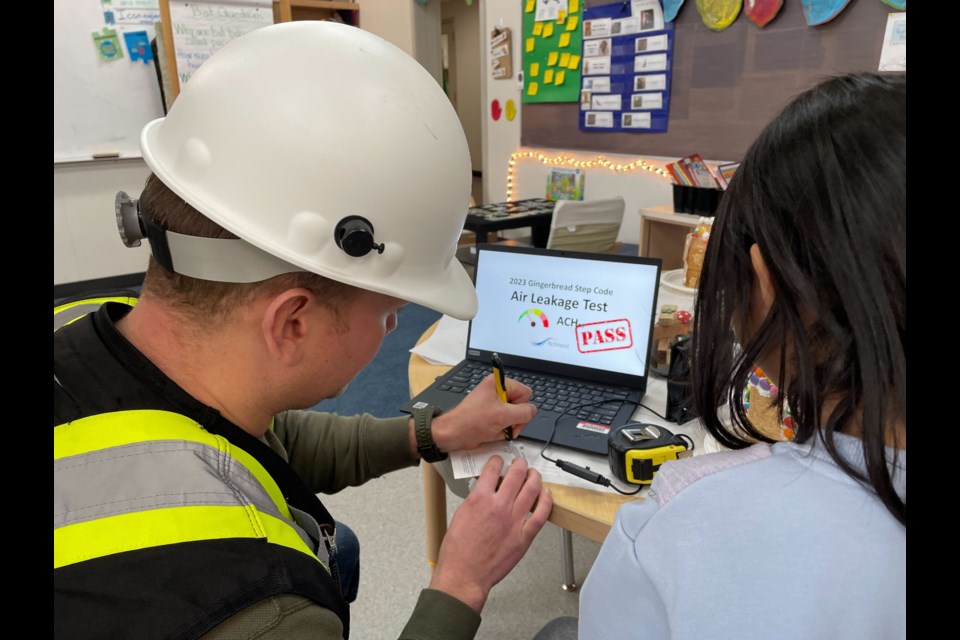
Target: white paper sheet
x,y
447,344
469,464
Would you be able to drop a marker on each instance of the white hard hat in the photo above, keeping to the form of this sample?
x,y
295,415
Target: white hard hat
x,y
302,131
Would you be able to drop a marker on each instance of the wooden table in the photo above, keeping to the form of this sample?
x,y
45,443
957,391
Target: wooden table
x,y
582,511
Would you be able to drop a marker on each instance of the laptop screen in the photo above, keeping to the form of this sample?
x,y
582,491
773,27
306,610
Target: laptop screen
x,y
585,310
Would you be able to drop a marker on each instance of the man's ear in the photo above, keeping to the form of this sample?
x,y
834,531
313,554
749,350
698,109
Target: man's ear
x,y
762,273
285,324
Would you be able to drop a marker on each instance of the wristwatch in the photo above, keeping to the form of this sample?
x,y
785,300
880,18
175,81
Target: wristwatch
x,y
421,427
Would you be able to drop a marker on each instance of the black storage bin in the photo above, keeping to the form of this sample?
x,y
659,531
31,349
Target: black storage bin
x,y
695,200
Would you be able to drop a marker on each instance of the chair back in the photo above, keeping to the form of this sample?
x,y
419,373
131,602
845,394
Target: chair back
x,y
586,225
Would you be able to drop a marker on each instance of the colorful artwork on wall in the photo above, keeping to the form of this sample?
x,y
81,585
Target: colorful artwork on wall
x,y
761,12
821,11
719,14
670,9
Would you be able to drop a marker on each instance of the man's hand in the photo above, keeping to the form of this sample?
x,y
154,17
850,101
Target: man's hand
x,y
481,416
491,531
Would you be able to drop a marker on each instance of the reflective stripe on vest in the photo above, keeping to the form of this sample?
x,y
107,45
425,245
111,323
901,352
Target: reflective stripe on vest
x,y
132,480
69,312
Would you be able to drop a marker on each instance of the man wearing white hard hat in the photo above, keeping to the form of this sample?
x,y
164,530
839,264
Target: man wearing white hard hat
x,y
309,181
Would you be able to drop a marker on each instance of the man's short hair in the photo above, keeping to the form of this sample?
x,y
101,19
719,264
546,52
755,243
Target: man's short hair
x,y
203,300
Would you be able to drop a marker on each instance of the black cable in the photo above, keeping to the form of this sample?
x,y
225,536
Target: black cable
x,y
574,469
654,412
688,439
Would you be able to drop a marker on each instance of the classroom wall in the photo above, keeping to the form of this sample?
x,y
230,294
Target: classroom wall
x,y
639,189
426,38
500,138
391,20
466,22
86,244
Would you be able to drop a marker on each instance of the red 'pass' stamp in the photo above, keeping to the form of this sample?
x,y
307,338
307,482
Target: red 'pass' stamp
x,y
608,335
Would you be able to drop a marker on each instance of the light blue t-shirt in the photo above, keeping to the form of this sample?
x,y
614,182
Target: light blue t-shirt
x,y
769,542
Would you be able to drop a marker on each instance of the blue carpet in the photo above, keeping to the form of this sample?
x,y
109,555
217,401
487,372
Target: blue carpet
x,y
381,387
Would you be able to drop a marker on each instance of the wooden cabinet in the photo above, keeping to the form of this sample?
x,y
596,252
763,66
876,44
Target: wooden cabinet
x,y
287,10
663,233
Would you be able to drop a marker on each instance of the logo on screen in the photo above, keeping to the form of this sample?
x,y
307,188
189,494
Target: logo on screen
x,y
534,324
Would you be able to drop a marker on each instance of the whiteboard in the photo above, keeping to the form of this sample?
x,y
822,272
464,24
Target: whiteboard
x,y
201,27
100,106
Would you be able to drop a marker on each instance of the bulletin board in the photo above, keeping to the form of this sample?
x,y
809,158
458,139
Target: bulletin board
x,y
551,50
100,106
727,85
626,77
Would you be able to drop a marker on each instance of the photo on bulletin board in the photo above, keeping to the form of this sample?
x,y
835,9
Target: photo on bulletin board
x,y
551,50
626,68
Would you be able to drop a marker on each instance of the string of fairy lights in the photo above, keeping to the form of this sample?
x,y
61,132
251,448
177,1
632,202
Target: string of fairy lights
x,y
562,160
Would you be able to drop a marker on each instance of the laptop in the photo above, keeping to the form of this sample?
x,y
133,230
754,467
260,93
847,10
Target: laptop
x,y
575,327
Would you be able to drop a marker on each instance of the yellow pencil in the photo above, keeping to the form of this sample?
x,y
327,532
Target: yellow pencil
x,y
500,378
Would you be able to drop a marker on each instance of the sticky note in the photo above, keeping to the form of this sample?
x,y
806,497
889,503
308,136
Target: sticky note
x,y
564,59
537,28
534,69
530,6
572,23
574,62
532,89
564,40
548,76
561,16
530,42
559,77
574,6
552,58
547,29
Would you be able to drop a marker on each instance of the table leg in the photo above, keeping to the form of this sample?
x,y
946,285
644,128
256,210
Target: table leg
x,y
435,511
566,560
539,234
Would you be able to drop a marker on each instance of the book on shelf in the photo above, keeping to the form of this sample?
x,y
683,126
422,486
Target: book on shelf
x,y
724,172
698,172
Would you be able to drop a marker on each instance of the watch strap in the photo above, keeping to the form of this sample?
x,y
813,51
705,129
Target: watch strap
x,y
427,448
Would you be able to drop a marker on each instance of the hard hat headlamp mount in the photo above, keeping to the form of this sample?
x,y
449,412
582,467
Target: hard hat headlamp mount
x,y
135,223
354,235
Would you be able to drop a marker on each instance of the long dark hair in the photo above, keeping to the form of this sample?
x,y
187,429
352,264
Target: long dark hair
x,y
823,194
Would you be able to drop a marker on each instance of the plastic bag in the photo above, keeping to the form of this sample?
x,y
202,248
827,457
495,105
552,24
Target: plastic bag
x,y
694,250
679,393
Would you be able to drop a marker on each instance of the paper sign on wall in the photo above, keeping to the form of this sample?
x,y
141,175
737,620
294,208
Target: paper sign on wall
x,y
501,56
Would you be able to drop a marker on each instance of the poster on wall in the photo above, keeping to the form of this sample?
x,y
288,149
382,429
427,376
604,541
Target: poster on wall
x,y
627,58
893,55
551,50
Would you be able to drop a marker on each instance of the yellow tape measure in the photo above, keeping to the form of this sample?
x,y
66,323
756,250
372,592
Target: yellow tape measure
x,y
637,450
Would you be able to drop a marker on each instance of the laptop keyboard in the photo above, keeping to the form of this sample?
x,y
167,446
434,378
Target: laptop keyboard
x,y
549,394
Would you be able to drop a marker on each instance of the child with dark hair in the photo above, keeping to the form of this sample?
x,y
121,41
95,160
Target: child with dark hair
x,y
805,276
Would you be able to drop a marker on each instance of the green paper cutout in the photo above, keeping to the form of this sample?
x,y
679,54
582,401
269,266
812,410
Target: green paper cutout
x,y
108,44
